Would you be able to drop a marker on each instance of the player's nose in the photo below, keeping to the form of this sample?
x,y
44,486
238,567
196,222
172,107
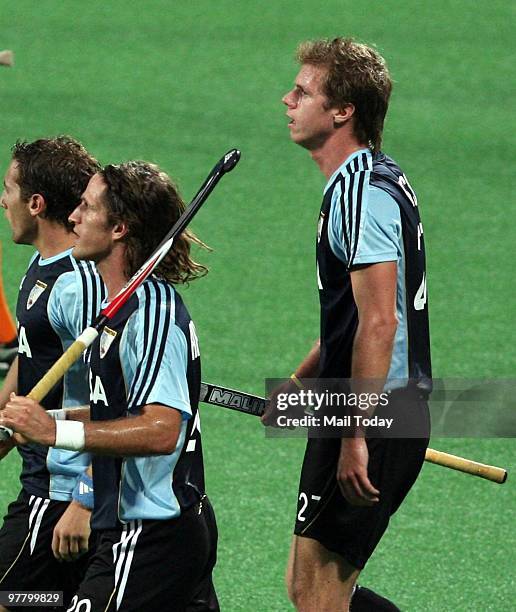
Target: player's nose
x,y
74,218
288,99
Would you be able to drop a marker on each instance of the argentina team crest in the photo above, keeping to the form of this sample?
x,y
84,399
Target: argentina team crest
x,y
106,340
35,293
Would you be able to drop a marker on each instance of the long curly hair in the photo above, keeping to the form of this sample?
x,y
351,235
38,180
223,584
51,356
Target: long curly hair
x,y
144,198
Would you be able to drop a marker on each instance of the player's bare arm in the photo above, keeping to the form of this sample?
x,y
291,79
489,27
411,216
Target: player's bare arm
x,y
306,369
374,291
82,413
72,532
154,431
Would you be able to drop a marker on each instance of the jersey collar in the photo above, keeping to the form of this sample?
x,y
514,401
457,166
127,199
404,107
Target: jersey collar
x,y
49,260
350,166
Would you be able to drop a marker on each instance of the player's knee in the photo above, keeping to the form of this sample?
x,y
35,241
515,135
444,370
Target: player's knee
x,y
299,591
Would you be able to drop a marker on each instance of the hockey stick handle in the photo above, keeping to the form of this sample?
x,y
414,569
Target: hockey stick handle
x,y
57,371
72,354
255,405
489,472
63,364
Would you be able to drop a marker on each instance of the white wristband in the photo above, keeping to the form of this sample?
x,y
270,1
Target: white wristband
x,y
57,415
70,435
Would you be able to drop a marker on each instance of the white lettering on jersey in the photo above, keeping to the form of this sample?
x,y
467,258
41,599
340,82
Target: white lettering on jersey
x,y
194,341
319,283
319,227
35,293
420,298
419,234
407,189
190,447
23,344
97,392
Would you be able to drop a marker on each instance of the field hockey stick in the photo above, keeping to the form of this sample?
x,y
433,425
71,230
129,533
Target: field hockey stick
x,y
255,405
67,359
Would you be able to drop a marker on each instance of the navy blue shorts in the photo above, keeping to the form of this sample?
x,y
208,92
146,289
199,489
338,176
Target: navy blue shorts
x,y
26,559
153,565
323,514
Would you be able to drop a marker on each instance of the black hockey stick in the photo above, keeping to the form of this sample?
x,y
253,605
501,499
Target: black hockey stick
x,y
255,405
229,398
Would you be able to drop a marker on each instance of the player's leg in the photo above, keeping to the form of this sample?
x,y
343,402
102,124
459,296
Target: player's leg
x,y
150,565
26,560
205,597
345,535
318,579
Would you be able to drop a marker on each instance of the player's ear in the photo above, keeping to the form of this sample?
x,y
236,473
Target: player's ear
x,y
343,115
119,230
37,204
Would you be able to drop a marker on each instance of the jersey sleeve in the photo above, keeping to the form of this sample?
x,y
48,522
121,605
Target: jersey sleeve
x,y
72,305
75,299
366,231
154,353
65,304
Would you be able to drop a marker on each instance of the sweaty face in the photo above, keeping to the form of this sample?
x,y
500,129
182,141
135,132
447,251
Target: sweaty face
x,y
94,237
311,123
17,211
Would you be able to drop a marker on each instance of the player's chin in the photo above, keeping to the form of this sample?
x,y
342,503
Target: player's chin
x,y
79,253
301,140
18,237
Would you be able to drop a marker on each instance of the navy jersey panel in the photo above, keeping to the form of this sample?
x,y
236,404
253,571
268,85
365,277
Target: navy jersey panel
x,y
58,297
389,177
148,354
369,215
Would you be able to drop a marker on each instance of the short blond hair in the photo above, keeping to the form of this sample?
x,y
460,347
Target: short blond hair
x,y
358,75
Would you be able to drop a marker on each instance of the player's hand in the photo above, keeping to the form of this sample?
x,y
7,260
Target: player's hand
x,y
352,475
71,533
272,412
28,418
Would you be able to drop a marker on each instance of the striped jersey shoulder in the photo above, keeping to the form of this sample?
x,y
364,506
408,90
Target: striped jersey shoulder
x,y
153,320
156,296
91,287
349,199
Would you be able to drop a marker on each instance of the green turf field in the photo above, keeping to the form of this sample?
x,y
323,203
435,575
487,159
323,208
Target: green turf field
x,y
180,83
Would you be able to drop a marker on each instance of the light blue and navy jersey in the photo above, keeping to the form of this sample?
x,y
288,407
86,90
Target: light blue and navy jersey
x,y
148,354
370,215
58,298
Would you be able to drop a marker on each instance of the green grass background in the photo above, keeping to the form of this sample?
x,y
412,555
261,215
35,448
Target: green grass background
x,y
180,83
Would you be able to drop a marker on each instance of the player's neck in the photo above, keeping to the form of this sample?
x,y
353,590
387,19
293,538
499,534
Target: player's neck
x,y
52,239
334,152
111,269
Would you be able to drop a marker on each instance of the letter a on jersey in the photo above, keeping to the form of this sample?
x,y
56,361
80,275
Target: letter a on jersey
x,y
35,293
97,392
23,343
